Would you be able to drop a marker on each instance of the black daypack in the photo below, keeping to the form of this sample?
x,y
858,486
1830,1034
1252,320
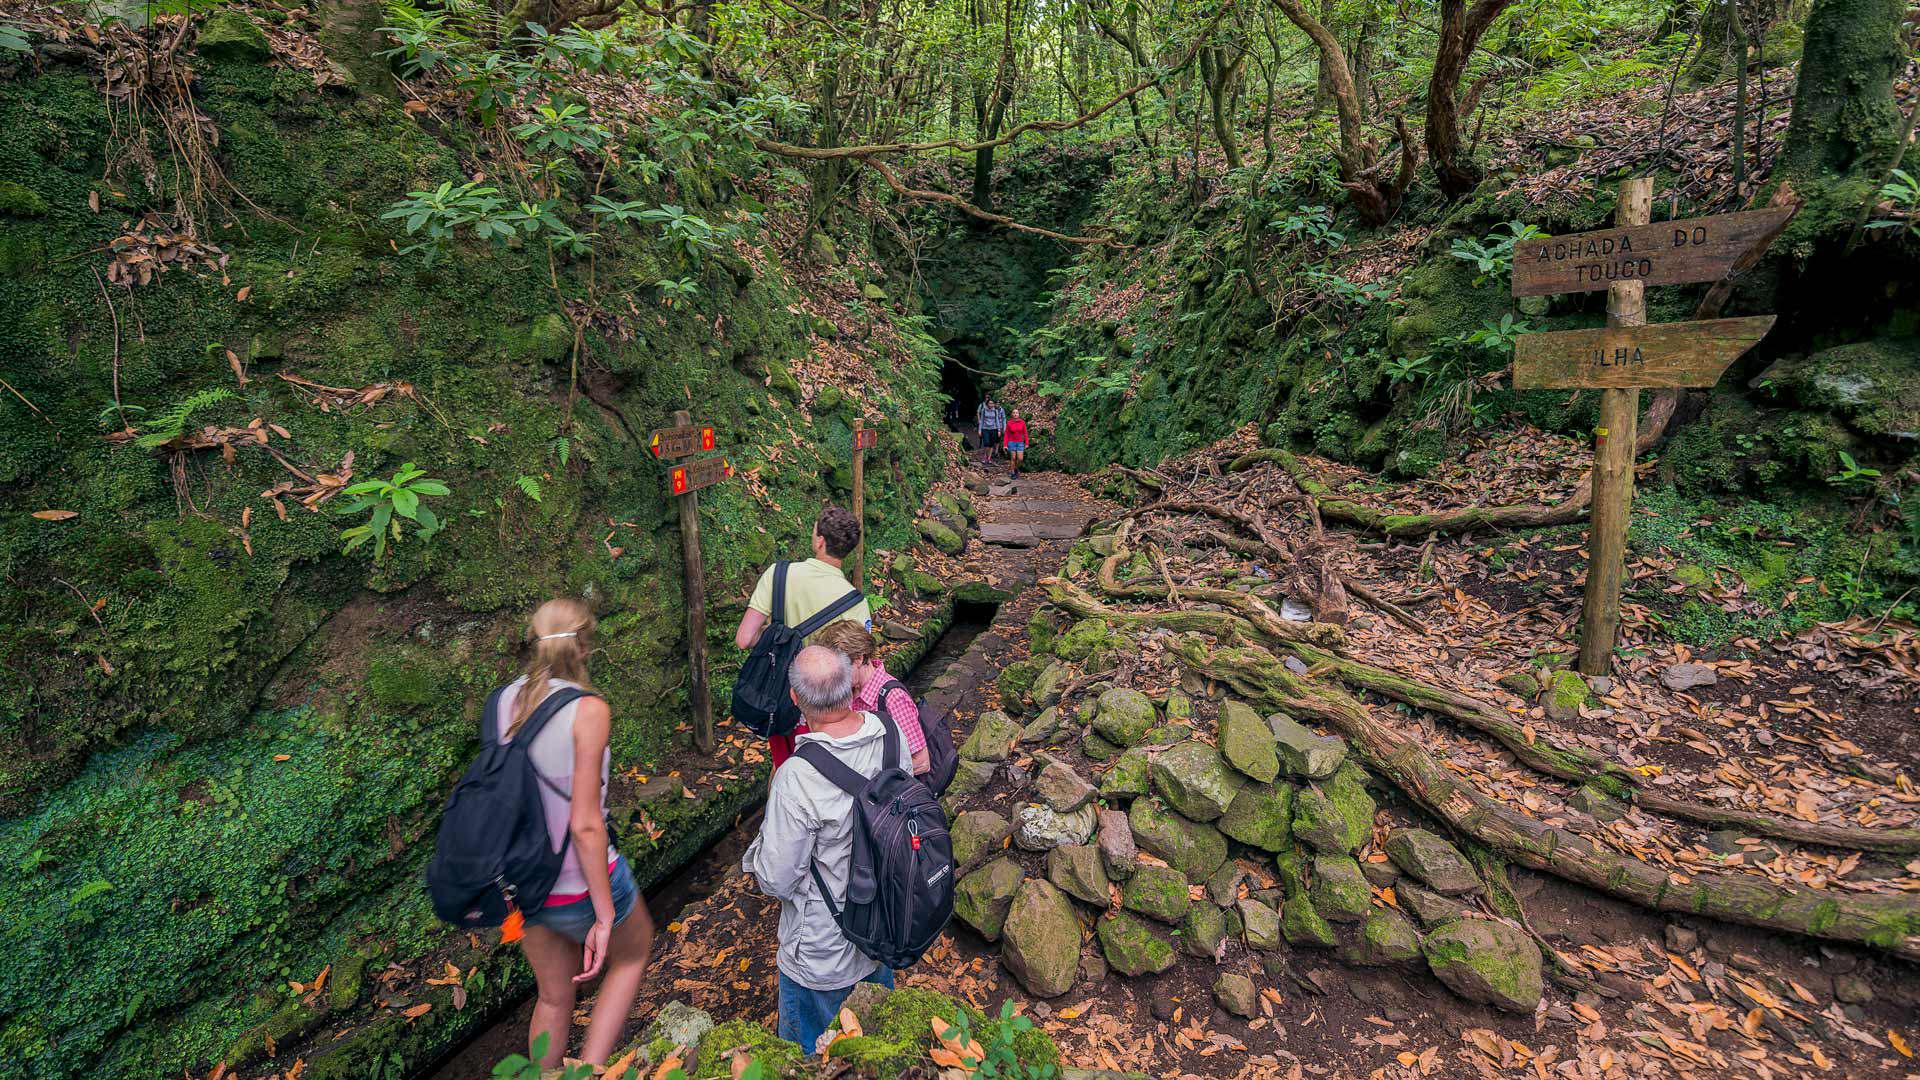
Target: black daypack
x,y
942,759
760,699
900,877
493,853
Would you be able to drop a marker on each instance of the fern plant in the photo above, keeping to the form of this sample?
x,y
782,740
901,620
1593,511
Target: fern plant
x,y
388,503
168,425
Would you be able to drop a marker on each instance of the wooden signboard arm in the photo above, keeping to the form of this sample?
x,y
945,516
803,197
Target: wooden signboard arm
x,y
1613,463
696,595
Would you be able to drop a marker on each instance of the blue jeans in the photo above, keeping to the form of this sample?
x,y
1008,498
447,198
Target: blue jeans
x,y
805,1014
572,921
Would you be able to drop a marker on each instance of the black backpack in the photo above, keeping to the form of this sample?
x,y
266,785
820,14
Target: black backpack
x,y
493,853
760,699
900,877
942,759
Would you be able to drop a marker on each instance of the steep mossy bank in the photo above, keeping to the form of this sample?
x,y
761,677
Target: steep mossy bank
x,y
222,742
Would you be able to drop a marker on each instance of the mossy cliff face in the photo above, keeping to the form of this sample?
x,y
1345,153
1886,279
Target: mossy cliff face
x,y
222,743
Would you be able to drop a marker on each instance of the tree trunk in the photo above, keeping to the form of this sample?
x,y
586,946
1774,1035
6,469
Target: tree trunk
x,y
1844,114
1375,198
1460,31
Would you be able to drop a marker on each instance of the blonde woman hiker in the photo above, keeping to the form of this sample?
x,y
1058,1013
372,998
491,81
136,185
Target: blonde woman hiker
x,y
524,843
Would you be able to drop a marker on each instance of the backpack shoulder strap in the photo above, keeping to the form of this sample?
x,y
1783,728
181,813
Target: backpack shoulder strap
x,y
890,749
829,613
837,772
560,698
780,593
894,686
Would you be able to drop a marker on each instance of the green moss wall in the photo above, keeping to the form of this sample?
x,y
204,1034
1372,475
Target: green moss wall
x,y
219,766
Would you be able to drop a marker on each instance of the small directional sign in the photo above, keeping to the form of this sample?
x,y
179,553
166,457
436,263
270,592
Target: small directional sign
x,y
1665,354
1667,253
678,442
695,475
866,438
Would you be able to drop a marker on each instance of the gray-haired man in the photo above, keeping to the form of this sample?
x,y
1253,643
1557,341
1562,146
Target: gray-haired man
x,y
809,822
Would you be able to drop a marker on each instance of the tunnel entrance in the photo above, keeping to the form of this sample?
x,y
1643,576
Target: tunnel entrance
x,y
962,388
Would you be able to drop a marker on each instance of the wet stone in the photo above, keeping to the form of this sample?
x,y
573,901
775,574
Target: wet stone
x,y
1194,779
1078,871
1380,874
1303,752
1157,892
1433,860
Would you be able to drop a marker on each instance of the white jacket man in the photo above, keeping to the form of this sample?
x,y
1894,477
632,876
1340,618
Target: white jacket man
x,y
809,821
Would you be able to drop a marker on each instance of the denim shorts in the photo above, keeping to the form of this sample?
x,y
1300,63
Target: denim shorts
x,y
1017,447
572,921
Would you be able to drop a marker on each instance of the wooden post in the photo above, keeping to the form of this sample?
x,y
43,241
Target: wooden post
x,y
696,593
860,508
1613,462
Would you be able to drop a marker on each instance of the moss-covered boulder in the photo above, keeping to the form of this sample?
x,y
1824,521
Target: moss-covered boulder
x,y
1041,939
941,536
1158,892
981,898
1521,682
994,736
1304,753
1043,629
1083,639
1047,686
1079,871
1486,961
1247,742
1304,926
970,777
1179,707
715,1062
1386,938
1050,728
1096,748
1236,994
1015,684
978,831
1340,892
1194,779
1123,716
1133,947
1127,778
1259,922
1430,907
1260,816
1566,695
230,35
1335,815
900,1025
1202,931
1873,385
1191,847
1433,860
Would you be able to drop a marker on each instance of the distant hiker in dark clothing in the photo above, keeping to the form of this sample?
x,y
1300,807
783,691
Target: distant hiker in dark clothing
x,y
808,828
993,424
1016,442
594,921
812,586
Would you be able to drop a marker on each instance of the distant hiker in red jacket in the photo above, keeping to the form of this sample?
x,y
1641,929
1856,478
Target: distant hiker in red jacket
x,y
1017,441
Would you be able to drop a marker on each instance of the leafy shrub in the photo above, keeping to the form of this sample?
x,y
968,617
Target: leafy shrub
x,y
390,502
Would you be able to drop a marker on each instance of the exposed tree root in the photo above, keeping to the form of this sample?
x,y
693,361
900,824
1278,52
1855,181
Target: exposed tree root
x,y
1889,922
1465,519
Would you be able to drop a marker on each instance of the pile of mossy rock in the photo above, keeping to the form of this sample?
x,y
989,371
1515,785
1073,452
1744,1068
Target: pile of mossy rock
x,y
896,1033
1168,805
947,520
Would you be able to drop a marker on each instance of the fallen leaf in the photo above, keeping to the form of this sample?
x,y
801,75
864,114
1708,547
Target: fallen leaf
x,y
56,515
417,1011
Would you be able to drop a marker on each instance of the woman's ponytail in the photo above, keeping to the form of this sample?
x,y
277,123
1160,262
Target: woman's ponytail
x,y
560,632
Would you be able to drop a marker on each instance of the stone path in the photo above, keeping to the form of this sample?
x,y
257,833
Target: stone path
x,y
1032,510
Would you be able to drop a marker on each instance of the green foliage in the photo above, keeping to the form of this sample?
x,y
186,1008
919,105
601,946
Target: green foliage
x,y
1312,223
171,422
14,38
529,486
999,1059
389,502
1492,255
1852,475
1902,195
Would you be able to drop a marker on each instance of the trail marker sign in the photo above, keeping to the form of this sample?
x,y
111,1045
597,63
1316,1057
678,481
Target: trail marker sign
x,y
678,442
683,486
865,438
1627,354
694,475
1669,253
1668,354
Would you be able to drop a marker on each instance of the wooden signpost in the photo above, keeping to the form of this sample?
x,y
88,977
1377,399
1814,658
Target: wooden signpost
x,y
1628,354
864,439
683,484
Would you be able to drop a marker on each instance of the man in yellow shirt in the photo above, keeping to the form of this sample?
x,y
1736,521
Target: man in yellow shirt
x,y
812,586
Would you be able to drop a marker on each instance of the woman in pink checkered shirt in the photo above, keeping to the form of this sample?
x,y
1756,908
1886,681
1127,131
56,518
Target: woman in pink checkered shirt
x,y
855,642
